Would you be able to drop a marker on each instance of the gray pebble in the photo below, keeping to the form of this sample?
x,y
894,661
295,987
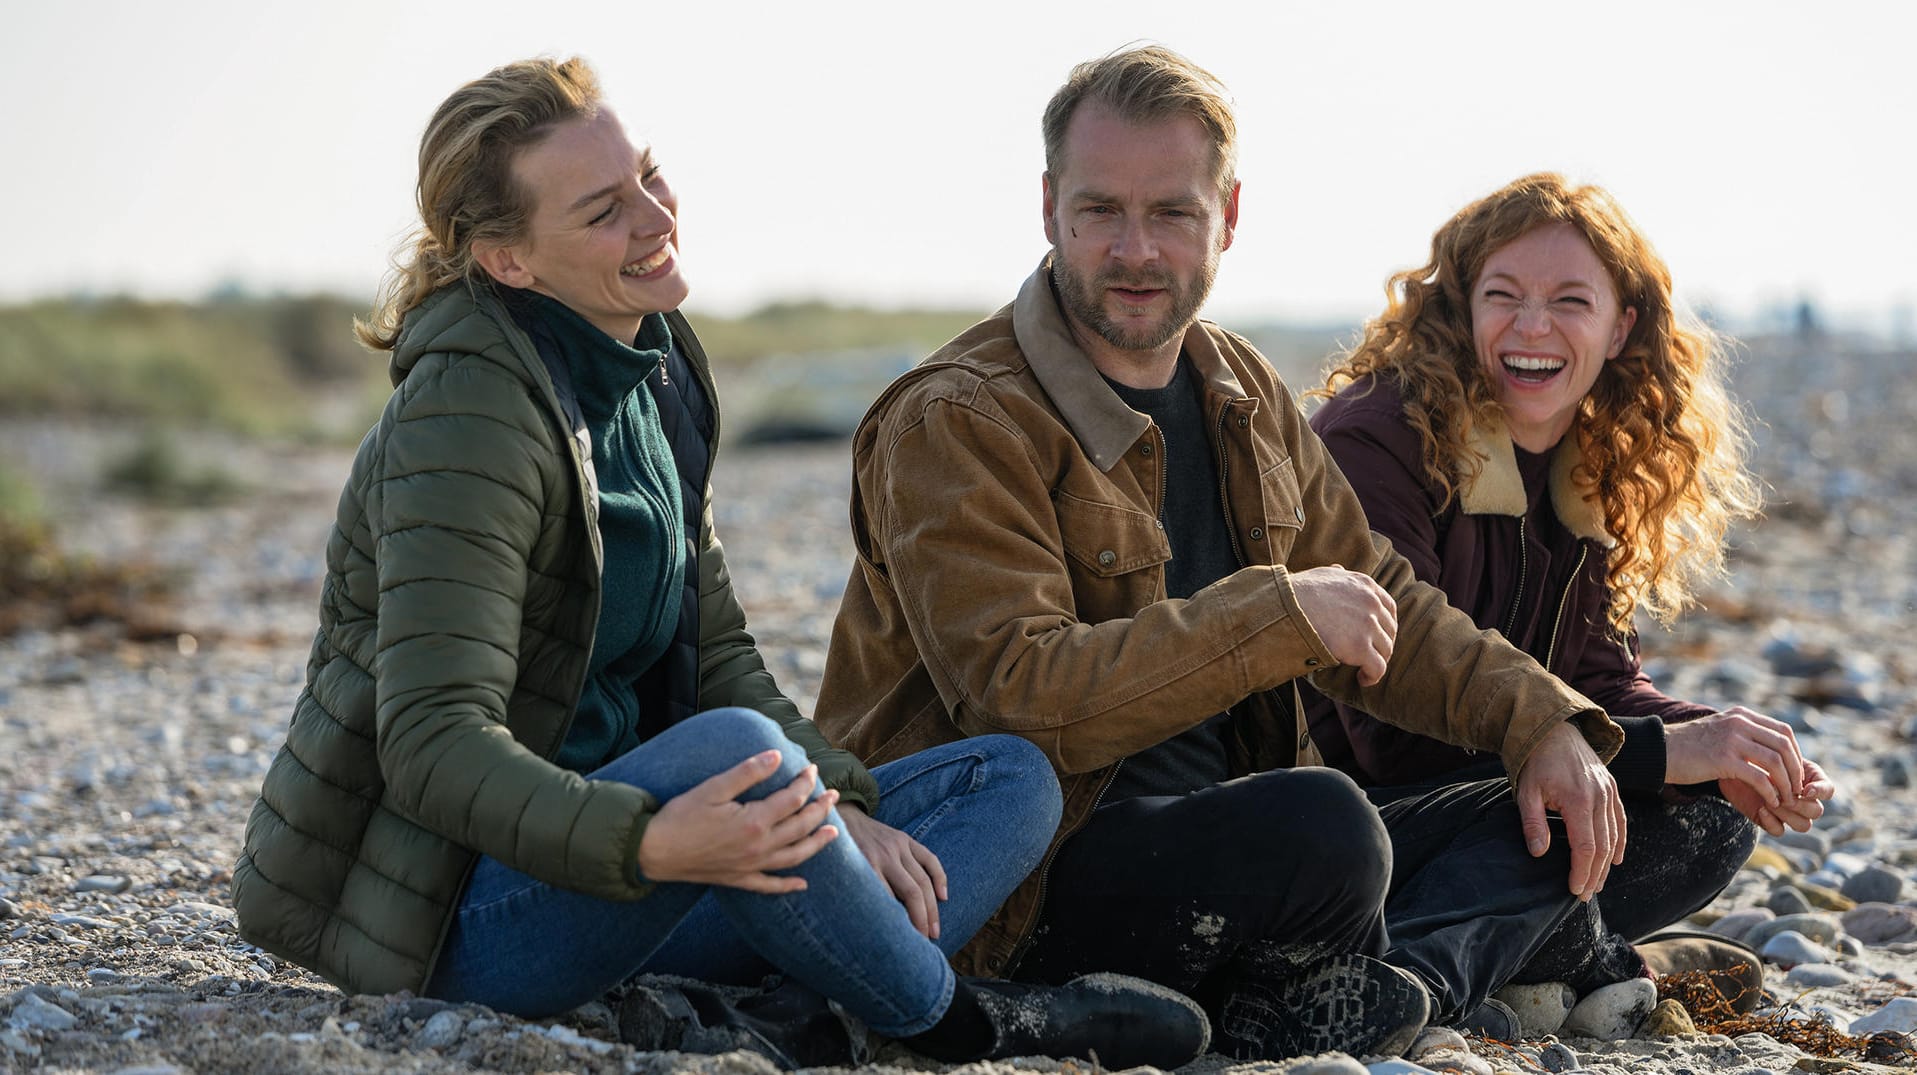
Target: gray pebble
x,y
1540,1008
34,1013
1785,900
9,909
1818,975
1790,948
103,882
1899,1016
1875,884
441,1031
15,1042
1557,1057
1880,923
1822,928
1740,921
1614,1012
1813,841
1845,864
1895,772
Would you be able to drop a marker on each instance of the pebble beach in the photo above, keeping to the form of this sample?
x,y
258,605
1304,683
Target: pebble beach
x,y
132,747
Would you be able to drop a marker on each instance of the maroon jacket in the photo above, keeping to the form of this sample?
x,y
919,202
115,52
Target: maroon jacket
x,y
1532,570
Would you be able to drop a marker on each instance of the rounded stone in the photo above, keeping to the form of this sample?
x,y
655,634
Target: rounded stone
x,y
1790,948
1739,922
1787,900
1881,923
1540,1008
1818,976
1899,1017
1822,928
1668,1020
1875,884
1557,1057
1614,1012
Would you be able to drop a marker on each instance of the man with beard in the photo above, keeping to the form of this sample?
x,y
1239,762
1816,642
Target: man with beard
x,y
1097,522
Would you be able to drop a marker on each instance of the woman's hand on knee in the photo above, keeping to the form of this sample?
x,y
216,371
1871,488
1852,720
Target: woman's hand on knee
x,y
707,835
907,867
1737,745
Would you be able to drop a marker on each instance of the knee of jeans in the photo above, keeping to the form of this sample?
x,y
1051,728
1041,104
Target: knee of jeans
x,y
1322,815
746,732
1023,778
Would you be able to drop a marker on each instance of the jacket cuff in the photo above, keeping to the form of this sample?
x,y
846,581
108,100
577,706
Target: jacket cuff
x,y
1639,765
1319,656
641,885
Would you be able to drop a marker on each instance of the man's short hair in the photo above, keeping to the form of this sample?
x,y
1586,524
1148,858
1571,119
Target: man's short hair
x,y
1144,84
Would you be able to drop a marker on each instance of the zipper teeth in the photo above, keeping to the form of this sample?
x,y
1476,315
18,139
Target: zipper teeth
x,y
1557,622
1524,569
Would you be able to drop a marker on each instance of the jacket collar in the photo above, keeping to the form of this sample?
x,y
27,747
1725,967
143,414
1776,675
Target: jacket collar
x,y
1103,425
1499,490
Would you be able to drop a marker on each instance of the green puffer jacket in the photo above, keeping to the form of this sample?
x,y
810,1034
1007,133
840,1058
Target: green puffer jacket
x,y
456,619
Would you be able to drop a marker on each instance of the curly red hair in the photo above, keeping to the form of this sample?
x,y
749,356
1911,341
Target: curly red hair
x,y
1664,447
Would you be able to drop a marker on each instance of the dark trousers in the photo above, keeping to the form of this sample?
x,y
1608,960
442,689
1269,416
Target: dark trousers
x,y
1219,892
1464,879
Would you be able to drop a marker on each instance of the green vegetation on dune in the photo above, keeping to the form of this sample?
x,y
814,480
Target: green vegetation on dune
x,y
819,327
289,366
248,365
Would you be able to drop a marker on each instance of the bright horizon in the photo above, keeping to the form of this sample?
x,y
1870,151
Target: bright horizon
x,y
875,154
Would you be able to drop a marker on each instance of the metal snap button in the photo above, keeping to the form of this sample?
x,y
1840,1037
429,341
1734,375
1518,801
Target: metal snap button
x,y
1257,533
1107,558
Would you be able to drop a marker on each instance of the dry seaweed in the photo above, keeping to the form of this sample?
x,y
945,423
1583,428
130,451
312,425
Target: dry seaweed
x,y
1715,1013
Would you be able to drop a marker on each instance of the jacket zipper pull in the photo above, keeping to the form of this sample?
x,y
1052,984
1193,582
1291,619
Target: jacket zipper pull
x,y
664,378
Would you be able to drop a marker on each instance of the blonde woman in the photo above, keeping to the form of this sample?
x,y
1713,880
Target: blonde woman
x,y
538,752
1535,430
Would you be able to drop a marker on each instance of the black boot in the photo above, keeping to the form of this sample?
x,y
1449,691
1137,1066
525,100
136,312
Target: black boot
x,y
1120,1022
783,1021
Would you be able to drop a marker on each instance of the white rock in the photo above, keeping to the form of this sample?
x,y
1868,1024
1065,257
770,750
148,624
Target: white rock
x,y
1327,1064
1614,1012
1899,1017
1790,948
1388,1067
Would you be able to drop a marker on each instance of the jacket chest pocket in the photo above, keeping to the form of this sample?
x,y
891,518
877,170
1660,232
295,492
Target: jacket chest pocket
x,y
1283,514
1116,555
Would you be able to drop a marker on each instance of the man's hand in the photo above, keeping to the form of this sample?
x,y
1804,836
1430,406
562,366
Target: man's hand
x,y
1356,617
907,867
1565,775
707,836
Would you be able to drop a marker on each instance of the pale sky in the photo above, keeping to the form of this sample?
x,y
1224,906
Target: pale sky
x,y
888,153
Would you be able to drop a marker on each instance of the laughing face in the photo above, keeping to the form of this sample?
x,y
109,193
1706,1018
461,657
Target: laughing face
x,y
602,238
1545,319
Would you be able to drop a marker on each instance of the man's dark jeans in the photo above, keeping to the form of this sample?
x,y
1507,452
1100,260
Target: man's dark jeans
x,y
1255,877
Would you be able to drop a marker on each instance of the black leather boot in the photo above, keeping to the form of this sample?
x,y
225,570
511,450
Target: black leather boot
x,y
1120,1022
783,1021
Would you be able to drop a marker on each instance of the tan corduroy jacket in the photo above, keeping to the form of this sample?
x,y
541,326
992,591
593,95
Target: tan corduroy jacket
x,y
1010,578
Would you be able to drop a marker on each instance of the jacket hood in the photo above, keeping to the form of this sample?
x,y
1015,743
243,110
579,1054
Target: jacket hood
x,y
464,318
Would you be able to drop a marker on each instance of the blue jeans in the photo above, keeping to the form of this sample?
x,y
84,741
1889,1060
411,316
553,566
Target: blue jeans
x,y
986,806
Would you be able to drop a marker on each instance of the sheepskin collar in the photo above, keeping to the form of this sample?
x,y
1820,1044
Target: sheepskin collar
x,y
1499,490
